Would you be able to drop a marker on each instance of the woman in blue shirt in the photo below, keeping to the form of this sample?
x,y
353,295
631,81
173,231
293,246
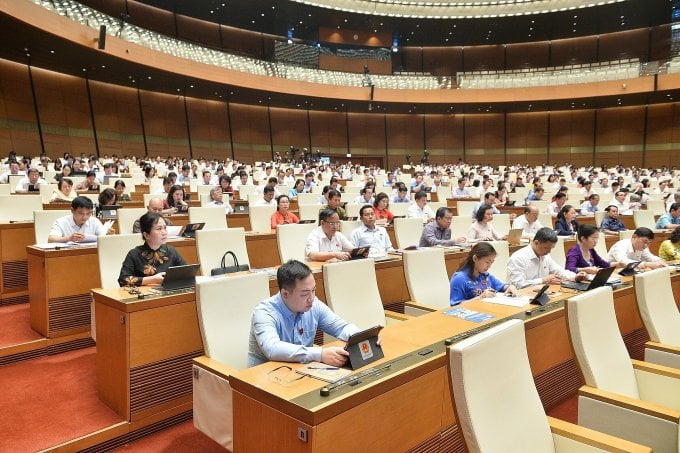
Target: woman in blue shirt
x,y
473,279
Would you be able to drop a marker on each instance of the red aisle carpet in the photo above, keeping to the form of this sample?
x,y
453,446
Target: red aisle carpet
x,y
177,439
16,325
50,400
567,410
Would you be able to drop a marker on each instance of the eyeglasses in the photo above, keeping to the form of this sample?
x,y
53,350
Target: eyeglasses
x,y
284,375
333,224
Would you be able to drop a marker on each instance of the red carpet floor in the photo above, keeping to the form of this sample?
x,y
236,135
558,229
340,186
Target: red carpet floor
x,y
567,410
16,325
177,439
47,401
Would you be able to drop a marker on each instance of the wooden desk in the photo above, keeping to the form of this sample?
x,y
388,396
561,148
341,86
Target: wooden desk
x,y
14,238
61,281
144,351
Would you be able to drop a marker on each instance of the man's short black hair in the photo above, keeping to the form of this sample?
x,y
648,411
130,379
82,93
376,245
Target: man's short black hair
x,y
644,232
546,234
593,196
420,195
333,193
363,208
674,206
81,202
267,189
325,213
441,212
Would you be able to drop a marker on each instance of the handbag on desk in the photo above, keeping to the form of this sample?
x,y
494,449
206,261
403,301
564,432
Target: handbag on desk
x,y
224,269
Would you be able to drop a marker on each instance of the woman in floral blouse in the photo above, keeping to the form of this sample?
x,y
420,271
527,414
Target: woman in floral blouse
x,y
146,264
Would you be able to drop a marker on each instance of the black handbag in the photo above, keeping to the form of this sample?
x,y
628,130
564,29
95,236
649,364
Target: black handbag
x,y
224,269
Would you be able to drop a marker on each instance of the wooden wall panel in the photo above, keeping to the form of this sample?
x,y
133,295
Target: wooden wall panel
x,y
571,137
527,138
573,51
485,138
197,30
528,55
244,42
405,135
146,16
442,60
660,43
289,127
165,124
119,126
624,44
410,58
209,128
17,116
329,133
367,133
354,37
250,125
482,58
444,137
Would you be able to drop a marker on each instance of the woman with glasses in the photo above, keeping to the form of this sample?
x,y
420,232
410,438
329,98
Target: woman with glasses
x,y
327,243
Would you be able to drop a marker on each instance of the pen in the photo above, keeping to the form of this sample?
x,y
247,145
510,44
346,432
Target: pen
x,y
322,368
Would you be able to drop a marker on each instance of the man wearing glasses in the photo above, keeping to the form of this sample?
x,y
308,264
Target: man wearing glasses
x,y
327,243
283,326
636,249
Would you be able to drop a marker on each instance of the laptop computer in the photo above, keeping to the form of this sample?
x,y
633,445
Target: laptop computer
x,y
515,236
363,348
600,279
179,277
191,228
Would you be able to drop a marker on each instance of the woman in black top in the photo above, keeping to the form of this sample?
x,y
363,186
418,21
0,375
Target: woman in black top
x,y
175,201
146,264
566,224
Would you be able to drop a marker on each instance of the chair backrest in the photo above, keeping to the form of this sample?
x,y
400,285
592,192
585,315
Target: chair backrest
x,y
127,217
644,218
309,211
42,222
291,240
542,205
347,226
460,225
211,245
557,253
657,207
489,422
353,209
214,217
499,268
203,190
111,252
657,306
464,208
426,276
407,232
599,217
399,209
545,219
19,207
352,292
501,223
4,189
601,246
46,191
260,218
225,321
597,342
307,198
245,191
626,234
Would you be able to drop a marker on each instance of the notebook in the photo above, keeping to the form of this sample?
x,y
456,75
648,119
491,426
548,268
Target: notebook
x,y
600,279
179,277
363,348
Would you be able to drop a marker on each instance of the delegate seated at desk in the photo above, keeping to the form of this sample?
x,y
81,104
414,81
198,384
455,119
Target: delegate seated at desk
x,y
155,205
283,326
370,235
532,265
78,226
439,232
146,264
636,249
326,243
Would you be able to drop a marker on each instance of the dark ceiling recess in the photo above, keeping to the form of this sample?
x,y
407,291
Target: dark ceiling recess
x,y
278,16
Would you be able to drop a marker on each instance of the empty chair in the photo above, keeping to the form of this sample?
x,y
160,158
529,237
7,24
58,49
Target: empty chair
x,y
660,316
620,394
260,218
214,218
42,222
601,246
46,191
499,268
347,226
626,234
427,279
245,191
545,219
127,217
407,232
224,323
291,240
19,207
309,211
557,253
644,218
352,293
494,413
211,245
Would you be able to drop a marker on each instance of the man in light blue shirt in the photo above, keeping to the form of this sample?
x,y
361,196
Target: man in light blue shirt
x,y
370,235
671,219
283,326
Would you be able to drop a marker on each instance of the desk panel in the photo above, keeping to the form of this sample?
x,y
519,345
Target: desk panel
x,y
14,238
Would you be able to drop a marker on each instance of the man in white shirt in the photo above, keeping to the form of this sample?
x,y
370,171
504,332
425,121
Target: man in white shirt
x,y
13,170
461,191
327,243
590,206
532,265
528,222
267,197
636,249
78,226
31,182
420,209
620,202
370,235
555,207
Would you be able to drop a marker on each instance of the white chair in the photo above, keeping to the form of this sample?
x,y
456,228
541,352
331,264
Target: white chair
x,y
407,232
4,189
347,226
19,207
501,223
291,240
211,245
399,209
42,223
261,218
225,330
601,246
353,210
660,316
644,218
245,191
46,191
657,207
635,400
427,280
127,217
111,252
599,217
309,211
464,208
626,234
494,413
460,226
499,268
214,218
352,293
542,205
307,198
557,253
545,219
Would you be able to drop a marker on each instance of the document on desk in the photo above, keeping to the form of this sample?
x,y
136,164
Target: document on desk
x,y
469,315
502,299
324,372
